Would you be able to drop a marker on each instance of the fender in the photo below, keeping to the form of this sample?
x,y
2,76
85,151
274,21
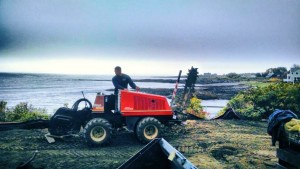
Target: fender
x,y
131,122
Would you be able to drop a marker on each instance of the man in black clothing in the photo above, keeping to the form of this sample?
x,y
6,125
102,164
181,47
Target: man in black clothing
x,y
121,80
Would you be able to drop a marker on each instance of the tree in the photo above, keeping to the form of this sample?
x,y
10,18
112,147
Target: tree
x,y
279,72
295,66
2,110
264,74
233,75
258,75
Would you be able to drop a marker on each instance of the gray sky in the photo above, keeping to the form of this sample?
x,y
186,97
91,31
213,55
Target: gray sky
x,y
157,37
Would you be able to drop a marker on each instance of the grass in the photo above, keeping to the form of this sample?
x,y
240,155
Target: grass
x,y
257,83
207,144
228,144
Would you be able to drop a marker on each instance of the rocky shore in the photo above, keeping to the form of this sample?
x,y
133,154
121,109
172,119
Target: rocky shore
x,y
219,91
204,92
207,88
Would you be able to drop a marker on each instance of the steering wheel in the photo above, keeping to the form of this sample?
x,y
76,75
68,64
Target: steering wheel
x,y
88,104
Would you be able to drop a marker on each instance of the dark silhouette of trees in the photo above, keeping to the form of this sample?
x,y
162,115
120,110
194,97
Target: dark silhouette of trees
x,y
279,72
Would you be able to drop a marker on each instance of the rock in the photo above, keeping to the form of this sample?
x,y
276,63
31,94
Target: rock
x,y
229,114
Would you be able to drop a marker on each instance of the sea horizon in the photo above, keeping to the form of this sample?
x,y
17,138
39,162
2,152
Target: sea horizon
x,y
51,91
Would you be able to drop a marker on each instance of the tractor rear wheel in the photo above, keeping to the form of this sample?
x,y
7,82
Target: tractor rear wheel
x,y
148,129
97,132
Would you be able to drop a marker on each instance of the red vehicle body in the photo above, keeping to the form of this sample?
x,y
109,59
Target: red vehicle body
x,y
137,104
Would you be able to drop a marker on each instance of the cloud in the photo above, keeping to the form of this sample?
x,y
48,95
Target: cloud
x,y
197,31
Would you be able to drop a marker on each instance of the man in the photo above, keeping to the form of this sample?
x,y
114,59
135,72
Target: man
x,y
121,80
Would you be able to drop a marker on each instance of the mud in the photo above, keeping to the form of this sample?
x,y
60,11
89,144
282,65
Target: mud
x,y
207,144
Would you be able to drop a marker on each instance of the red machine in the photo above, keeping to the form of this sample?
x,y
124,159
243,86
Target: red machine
x,y
143,113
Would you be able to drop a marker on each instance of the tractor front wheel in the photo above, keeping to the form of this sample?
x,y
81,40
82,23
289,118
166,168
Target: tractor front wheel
x,y
97,132
148,129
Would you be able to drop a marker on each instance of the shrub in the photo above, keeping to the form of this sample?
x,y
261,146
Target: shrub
x,y
221,112
259,102
274,79
196,109
2,110
233,75
25,112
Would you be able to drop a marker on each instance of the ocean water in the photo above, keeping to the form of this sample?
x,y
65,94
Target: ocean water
x,y
50,91
213,106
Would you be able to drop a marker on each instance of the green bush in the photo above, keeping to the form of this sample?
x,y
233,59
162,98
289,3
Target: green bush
x,y
259,102
233,75
2,110
24,112
195,108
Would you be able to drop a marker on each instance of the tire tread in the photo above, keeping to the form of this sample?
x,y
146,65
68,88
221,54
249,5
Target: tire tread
x,y
142,123
104,123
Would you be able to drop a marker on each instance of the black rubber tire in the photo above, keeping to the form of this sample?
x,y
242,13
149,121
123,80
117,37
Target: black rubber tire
x,y
101,124
145,124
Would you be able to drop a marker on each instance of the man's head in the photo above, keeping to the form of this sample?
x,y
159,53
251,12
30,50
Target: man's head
x,y
118,70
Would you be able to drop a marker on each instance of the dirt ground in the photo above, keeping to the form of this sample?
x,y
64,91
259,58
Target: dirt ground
x,y
207,144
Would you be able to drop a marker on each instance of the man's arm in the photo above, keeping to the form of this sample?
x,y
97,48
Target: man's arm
x,y
131,83
116,84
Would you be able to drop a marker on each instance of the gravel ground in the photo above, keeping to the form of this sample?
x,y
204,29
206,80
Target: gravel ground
x,y
207,144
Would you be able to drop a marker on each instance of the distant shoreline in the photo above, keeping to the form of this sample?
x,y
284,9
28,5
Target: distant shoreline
x,y
53,91
211,92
